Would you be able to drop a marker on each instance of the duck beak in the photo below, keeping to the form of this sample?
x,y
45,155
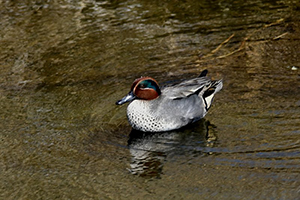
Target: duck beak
x,y
129,97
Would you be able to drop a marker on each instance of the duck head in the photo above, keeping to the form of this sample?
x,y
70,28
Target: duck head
x,y
145,88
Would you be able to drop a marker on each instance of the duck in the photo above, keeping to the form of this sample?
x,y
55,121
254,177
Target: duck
x,y
155,109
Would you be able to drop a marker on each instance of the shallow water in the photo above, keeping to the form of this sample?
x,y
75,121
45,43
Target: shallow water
x,y
65,63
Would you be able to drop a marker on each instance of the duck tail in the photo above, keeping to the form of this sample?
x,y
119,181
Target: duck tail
x,y
203,73
211,90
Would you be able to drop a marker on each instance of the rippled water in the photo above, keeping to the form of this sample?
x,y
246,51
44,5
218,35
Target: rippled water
x,y
63,64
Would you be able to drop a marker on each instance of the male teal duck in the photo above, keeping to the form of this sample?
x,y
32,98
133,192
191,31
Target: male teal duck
x,y
152,109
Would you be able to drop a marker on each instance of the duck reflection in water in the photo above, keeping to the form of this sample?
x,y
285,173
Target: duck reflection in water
x,y
149,151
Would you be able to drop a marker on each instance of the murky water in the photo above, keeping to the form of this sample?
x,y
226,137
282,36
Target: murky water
x,y
63,64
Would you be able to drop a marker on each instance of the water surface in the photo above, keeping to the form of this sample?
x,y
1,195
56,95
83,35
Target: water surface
x,y
63,64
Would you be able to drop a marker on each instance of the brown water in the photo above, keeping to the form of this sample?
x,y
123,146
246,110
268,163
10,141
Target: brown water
x,y
63,64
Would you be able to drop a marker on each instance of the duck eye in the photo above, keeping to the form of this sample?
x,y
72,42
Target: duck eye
x,y
142,85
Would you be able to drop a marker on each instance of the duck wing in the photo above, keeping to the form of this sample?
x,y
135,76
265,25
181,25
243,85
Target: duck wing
x,y
187,88
203,87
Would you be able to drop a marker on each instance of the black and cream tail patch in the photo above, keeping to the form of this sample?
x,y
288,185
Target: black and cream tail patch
x,y
209,94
